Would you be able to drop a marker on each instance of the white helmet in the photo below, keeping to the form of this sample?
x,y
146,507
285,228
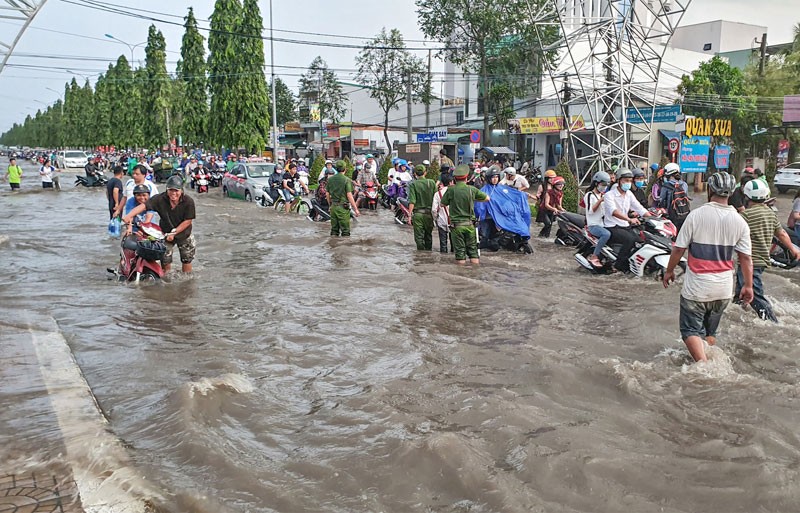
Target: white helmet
x,y
426,162
671,169
510,170
756,190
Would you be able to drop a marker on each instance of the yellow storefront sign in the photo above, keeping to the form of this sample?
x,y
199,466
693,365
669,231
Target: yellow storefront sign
x,y
545,124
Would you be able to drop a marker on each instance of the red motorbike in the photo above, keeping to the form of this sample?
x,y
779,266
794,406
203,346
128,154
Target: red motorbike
x,y
369,196
140,258
202,179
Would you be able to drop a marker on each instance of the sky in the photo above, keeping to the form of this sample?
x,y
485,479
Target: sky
x,y
67,38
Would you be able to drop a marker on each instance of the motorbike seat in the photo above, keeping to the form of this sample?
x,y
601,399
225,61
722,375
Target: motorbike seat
x,y
130,243
576,219
404,202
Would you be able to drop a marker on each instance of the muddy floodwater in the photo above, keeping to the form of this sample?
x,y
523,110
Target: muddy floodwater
x,y
295,373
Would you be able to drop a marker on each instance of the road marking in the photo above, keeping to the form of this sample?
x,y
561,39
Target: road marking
x,y
100,465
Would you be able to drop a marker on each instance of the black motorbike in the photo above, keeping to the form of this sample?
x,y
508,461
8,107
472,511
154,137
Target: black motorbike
x,y
216,178
321,212
780,256
96,180
494,238
570,229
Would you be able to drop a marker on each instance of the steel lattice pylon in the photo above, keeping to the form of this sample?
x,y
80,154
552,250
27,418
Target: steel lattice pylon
x,y
608,55
17,10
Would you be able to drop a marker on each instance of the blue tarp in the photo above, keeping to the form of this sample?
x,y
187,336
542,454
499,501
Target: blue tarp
x,y
508,207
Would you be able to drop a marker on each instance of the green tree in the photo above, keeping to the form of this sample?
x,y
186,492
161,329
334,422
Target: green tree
x,y
386,67
223,72
316,169
126,105
72,116
319,85
433,171
383,173
251,100
493,39
155,89
716,90
102,110
286,104
192,72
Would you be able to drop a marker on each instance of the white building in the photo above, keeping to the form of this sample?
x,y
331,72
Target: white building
x,y
718,36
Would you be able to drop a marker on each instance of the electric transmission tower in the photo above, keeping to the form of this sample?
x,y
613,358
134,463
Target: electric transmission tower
x,y
607,58
19,11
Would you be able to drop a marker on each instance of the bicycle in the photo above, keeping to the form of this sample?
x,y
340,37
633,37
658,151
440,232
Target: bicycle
x,y
298,205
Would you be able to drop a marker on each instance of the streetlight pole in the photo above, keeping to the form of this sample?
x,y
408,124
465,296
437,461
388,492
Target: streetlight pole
x,y
130,46
274,96
60,97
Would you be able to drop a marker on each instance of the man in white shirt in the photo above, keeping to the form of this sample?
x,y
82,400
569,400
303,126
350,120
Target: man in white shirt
x,y
618,204
139,177
711,233
512,179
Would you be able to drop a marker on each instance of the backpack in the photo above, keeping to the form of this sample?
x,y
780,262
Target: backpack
x,y
677,203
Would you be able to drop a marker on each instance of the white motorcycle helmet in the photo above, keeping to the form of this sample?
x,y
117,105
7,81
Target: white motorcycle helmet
x,y
756,190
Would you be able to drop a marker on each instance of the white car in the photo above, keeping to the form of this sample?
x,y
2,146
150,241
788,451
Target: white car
x,y
788,178
72,158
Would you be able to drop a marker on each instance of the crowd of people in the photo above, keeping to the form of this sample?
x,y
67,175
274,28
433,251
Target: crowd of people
x,y
737,221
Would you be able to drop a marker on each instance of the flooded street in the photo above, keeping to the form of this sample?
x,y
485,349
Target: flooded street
x,y
295,373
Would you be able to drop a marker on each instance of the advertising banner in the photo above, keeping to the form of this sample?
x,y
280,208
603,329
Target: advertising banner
x,y
659,114
783,154
722,156
694,154
543,125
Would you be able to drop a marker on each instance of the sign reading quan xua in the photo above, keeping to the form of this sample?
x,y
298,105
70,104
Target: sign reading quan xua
x,y
709,127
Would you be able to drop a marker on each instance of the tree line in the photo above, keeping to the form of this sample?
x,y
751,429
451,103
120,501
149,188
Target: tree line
x,y
223,100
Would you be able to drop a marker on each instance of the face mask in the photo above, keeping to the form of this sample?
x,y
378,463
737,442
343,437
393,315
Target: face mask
x,y
625,187
639,184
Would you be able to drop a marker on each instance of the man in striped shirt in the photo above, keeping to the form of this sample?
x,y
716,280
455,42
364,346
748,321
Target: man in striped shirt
x,y
763,225
712,234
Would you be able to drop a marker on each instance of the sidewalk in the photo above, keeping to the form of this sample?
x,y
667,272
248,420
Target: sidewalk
x,y
57,452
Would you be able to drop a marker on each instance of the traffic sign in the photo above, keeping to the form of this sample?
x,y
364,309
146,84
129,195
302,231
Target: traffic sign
x,y
674,145
475,137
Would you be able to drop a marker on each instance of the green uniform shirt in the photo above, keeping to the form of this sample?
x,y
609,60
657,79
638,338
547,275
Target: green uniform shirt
x,y
14,174
461,200
420,193
338,187
763,225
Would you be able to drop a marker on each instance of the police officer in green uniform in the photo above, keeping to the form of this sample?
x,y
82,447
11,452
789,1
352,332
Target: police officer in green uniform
x,y
340,199
420,201
461,199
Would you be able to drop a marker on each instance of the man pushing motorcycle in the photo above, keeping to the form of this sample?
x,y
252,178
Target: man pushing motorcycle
x,y
176,211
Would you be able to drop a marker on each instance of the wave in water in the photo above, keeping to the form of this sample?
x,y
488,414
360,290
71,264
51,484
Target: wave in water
x,y
230,382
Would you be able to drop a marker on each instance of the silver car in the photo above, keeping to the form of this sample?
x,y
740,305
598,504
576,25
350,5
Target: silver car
x,y
788,178
246,180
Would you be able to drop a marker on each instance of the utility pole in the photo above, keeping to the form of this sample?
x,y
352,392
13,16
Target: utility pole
x,y
274,96
763,59
319,110
169,133
410,127
428,100
567,121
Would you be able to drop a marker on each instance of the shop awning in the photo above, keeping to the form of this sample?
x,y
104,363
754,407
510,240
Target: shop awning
x,y
498,150
454,138
670,134
290,141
